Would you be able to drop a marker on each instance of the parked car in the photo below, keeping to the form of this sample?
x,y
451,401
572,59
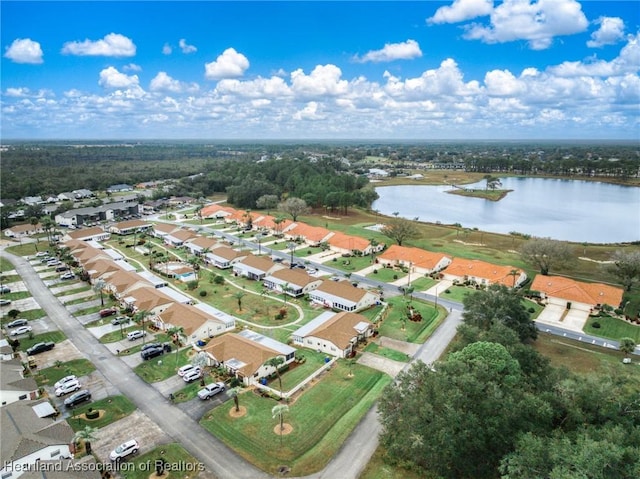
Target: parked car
x,y
40,254
153,352
107,312
137,334
45,259
211,390
150,345
123,450
78,398
53,262
5,302
4,289
61,268
17,322
67,275
40,348
68,387
185,369
65,380
21,330
192,375
120,320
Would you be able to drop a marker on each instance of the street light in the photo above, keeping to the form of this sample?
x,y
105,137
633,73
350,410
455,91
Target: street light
x,y
259,238
292,248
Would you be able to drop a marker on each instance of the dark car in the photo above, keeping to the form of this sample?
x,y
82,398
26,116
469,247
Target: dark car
x,y
61,268
77,398
107,312
120,320
17,322
5,289
152,352
40,348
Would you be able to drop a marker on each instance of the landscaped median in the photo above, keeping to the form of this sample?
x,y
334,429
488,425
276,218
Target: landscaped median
x,y
319,420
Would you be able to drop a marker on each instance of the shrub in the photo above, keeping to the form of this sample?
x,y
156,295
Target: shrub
x,y
395,276
91,414
595,325
202,293
191,285
218,279
375,271
531,310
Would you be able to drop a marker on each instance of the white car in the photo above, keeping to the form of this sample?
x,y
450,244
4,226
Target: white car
x,y
65,380
40,254
68,275
186,368
137,334
211,390
68,387
124,449
192,375
21,330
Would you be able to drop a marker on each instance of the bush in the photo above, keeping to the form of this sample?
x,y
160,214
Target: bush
x,y
375,271
218,279
395,276
202,293
91,414
595,325
531,310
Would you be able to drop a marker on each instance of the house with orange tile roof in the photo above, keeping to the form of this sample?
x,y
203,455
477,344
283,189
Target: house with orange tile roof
x,y
224,257
244,355
419,260
200,244
349,244
160,230
255,267
129,227
94,233
196,323
343,296
311,235
332,333
268,223
293,282
566,292
179,237
483,273
216,211
241,218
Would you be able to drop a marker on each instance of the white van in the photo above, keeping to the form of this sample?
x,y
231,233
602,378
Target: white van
x,y
137,334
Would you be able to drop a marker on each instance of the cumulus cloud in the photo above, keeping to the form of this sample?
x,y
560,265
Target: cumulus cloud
x,y
309,112
24,50
230,64
185,47
167,49
111,78
537,22
132,67
163,82
323,80
462,10
112,45
611,31
392,51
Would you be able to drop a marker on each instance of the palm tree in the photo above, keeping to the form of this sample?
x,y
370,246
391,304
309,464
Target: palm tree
x,y
239,295
350,363
278,411
285,290
85,435
514,273
627,346
234,393
276,362
98,287
141,316
176,332
47,225
33,221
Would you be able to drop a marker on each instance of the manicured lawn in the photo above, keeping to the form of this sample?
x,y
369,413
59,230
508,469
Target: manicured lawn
x,y
413,332
80,289
387,275
322,417
351,264
114,407
118,335
5,265
16,295
297,373
163,367
78,367
612,328
455,293
10,278
387,352
53,336
30,314
180,464
423,283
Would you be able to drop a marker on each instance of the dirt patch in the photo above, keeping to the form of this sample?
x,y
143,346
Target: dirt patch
x,y
242,411
286,429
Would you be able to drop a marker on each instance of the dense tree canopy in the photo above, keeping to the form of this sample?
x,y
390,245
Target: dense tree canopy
x,y
400,230
545,253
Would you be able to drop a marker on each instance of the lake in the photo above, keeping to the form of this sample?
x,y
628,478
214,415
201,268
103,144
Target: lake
x,y
570,210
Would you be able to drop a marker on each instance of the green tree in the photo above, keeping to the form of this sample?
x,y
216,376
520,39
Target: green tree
x,y
85,436
498,304
279,412
545,253
400,230
625,266
627,346
239,295
141,316
98,287
33,221
234,393
294,207
267,202
275,362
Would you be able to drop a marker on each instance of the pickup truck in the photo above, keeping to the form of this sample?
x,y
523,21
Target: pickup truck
x,y
40,348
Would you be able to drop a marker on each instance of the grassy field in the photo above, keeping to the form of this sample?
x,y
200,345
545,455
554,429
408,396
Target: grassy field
x,y
114,408
180,464
321,419
78,367
386,352
613,328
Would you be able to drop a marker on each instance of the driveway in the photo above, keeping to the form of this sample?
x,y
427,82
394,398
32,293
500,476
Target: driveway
x,y
386,365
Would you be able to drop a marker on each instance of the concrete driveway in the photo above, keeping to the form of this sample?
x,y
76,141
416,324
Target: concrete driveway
x,y
386,365
574,319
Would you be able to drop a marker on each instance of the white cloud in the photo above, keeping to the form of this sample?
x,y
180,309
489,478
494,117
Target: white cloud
x,y
323,80
112,78
462,10
167,49
185,47
309,112
611,31
112,45
503,83
24,50
274,87
132,67
392,51
538,23
163,82
230,64
17,92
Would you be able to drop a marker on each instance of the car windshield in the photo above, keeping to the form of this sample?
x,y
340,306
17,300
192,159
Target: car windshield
x,y
120,448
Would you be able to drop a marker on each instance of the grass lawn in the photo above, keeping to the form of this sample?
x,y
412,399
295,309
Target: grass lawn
x,y
414,332
351,264
423,283
30,315
10,278
612,328
118,335
114,407
298,372
387,275
377,468
5,265
387,352
322,417
455,293
51,336
68,292
180,464
78,367
152,372
16,295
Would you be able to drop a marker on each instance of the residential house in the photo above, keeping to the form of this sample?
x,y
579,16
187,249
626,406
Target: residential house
x,y
29,437
244,218
244,354
196,323
200,244
6,351
418,260
66,196
106,212
293,282
343,296
146,299
160,230
574,294
121,283
119,188
332,333
484,274
179,237
95,233
270,224
100,268
311,235
255,267
216,211
351,245
23,230
82,193
224,257
129,227
33,200
14,386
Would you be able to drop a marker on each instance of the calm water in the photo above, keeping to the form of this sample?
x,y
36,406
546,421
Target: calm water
x,y
561,209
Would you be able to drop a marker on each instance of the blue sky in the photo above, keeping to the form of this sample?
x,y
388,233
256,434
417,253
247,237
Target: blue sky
x,y
463,69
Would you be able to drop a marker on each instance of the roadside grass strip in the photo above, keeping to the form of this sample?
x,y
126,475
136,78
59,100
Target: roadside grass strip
x,y
78,367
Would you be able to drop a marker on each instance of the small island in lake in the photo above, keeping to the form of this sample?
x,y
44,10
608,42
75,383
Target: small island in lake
x,y
490,192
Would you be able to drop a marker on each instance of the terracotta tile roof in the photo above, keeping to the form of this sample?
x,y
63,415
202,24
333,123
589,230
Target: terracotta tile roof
x,y
227,253
215,209
419,258
85,233
342,289
267,222
353,243
491,272
184,316
571,290
314,234
233,346
340,329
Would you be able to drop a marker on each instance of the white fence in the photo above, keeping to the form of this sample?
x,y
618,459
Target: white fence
x,y
302,384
